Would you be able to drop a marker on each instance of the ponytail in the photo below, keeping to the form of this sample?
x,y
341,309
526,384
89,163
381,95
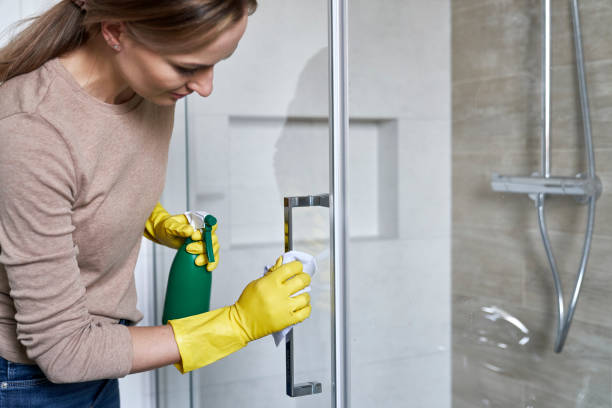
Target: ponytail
x,y
57,31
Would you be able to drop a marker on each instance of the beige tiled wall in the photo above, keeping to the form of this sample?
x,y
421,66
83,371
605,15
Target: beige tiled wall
x,y
498,261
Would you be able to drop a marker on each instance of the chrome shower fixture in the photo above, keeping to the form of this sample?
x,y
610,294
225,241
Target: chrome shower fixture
x,y
586,188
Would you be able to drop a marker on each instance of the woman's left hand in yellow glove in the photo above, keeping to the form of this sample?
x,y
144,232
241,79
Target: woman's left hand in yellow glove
x,y
199,248
172,230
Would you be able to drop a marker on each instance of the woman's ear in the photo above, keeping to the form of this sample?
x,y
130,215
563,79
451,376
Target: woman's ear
x,y
112,33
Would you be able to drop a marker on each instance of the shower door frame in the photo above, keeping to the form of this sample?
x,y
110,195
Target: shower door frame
x,y
338,162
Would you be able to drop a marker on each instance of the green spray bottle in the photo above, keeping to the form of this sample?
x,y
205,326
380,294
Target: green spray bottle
x,y
188,291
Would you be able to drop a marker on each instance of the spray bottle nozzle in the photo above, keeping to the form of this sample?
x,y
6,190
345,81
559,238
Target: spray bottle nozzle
x,y
209,222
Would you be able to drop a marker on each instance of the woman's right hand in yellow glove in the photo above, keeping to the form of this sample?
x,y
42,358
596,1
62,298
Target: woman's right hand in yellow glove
x,y
265,306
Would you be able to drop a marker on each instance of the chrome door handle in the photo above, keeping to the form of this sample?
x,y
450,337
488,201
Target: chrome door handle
x,y
321,200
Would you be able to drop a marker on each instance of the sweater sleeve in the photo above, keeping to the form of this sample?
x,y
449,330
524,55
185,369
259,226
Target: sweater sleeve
x,y
38,188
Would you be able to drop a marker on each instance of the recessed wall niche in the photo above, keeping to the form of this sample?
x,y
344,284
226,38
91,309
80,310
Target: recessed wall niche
x,y
233,175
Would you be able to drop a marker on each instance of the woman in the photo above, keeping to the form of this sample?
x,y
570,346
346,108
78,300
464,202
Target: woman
x,y
86,111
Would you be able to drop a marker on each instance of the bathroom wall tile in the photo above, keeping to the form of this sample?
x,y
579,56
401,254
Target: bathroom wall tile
x,y
590,388
566,126
483,98
400,322
536,397
422,381
568,134
476,386
566,118
255,197
599,88
604,171
565,102
387,39
512,28
209,153
513,342
511,132
464,6
488,262
511,126
424,179
405,71
502,39
269,75
409,277
595,16
581,372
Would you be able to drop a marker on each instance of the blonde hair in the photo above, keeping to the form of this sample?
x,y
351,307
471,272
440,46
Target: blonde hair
x,y
165,26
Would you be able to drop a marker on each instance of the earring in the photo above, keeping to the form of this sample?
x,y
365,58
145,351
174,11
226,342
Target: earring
x,y
116,47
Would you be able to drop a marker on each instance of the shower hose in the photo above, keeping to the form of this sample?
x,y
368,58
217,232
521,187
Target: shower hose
x,y
564,317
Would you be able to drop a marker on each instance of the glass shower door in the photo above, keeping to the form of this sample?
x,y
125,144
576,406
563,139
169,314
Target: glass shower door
x,y
261,137
264,135
399,203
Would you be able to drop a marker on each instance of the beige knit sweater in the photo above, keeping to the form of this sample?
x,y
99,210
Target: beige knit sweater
x,y
78,179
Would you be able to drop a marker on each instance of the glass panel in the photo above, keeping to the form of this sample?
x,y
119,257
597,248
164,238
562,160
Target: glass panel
x,y
399,203
267,121
262,136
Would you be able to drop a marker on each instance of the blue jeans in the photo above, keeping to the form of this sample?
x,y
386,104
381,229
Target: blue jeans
x,y
25,385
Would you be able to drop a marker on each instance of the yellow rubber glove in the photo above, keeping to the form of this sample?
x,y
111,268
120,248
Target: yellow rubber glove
x,y
168,230
265,306
172,230
199,248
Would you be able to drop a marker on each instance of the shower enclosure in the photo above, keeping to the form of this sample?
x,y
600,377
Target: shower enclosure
x,y
450,299
259,148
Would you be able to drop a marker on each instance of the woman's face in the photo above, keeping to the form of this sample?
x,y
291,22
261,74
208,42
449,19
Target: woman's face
x,y
164,79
